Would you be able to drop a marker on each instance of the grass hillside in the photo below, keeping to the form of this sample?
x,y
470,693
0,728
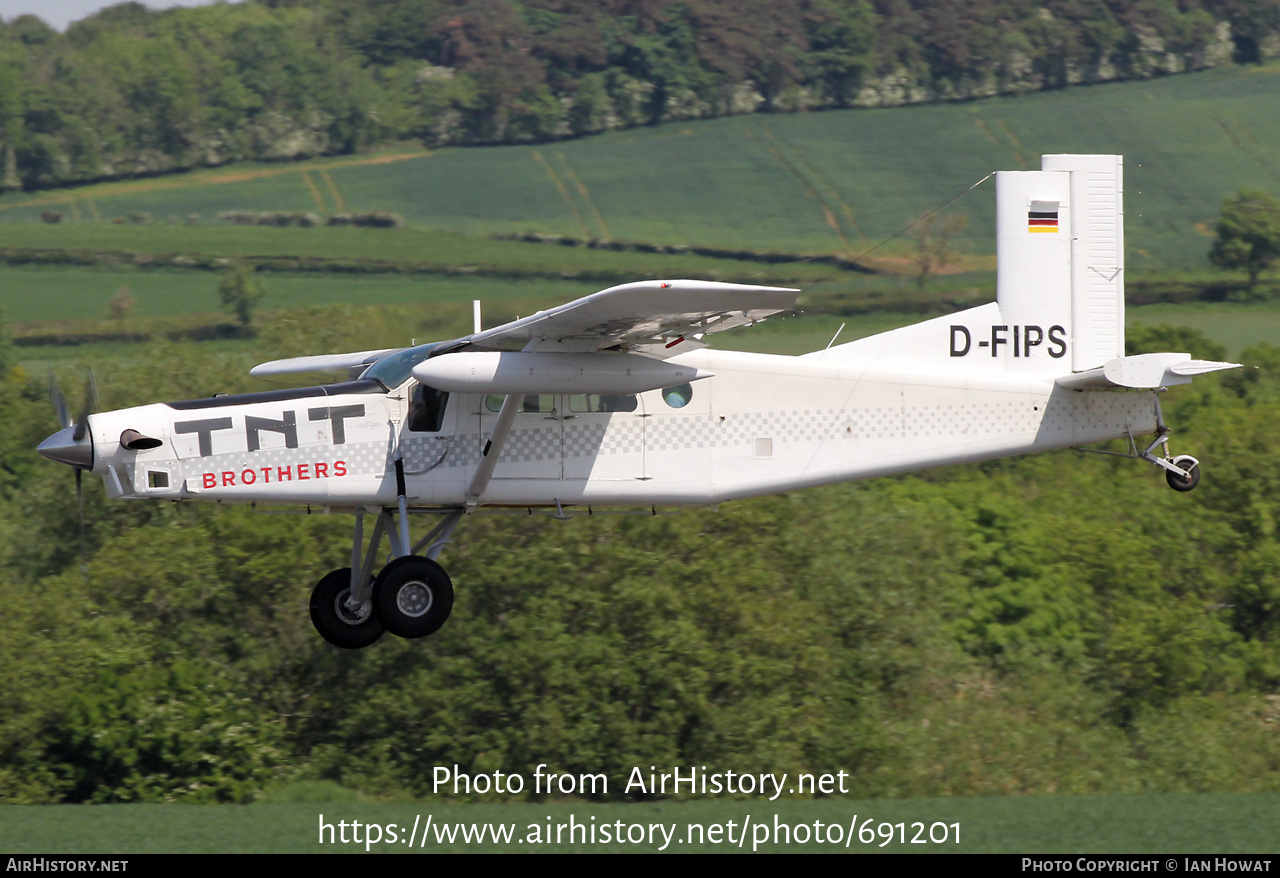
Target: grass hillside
x,y
818,183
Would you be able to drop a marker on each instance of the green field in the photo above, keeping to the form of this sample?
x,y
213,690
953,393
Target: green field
x,y
44,294
46,300
384,249
819,182
1235,326
1156,824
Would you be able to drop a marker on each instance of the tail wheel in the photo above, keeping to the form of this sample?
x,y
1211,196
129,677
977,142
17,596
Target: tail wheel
x,y
1179,483
336,622
412,596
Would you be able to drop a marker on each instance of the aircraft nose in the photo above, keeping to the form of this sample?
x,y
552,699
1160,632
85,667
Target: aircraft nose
x,y
63,447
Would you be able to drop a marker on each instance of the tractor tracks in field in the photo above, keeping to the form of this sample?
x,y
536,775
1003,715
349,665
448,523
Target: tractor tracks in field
x,y
836,211
568,174
211,178
1244,142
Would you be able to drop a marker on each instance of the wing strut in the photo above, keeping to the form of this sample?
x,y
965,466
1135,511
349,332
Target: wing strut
x,y
493,447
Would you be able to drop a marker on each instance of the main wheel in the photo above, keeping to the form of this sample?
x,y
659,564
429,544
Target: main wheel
x,y
335,622
1191,465
412,596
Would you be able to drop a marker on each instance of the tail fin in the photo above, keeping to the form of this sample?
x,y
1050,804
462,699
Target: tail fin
x,y
1059,280
1060,253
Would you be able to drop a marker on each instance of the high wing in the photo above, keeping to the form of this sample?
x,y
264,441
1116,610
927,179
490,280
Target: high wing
x,y
660,318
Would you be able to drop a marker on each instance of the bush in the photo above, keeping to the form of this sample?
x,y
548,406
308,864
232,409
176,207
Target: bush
x,y
378,219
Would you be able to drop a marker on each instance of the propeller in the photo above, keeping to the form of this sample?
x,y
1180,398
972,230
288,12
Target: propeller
x,y
59,401
90,402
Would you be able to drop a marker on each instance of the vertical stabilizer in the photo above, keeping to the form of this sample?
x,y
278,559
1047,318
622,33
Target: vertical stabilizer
x,y
1060,254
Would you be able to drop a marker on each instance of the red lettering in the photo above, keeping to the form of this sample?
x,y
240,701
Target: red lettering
x,y
228,479
322,470
210,480
340,468
283,473
266,474
302,471
248,477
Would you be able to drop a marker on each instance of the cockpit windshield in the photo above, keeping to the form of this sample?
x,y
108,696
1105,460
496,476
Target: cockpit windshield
x,y
392,370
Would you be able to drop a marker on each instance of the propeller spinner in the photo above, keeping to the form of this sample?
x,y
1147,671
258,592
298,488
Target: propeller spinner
x,y
73,444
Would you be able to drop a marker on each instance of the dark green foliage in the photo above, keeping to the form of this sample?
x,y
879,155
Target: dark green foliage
x,y
1145,338
241,291
161,735
1248,234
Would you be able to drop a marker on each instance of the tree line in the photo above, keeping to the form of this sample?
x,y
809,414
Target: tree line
x,y
130,91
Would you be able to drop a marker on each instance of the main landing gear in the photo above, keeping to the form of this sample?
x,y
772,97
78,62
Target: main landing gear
x,y
411,596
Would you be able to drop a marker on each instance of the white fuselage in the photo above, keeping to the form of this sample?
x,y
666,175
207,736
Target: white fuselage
x,y
762,424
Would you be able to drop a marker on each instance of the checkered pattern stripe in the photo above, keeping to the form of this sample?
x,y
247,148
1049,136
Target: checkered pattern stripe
x,y
361,458
630,434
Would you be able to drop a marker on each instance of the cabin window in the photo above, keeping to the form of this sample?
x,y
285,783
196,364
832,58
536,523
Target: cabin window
x,y
533,402
678,397
426,409
156,479
603,402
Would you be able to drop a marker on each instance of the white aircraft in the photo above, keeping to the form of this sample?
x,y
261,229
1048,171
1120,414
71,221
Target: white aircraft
x,y
613,400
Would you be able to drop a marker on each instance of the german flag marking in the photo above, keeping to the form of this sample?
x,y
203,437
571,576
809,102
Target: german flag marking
x,y
1042,221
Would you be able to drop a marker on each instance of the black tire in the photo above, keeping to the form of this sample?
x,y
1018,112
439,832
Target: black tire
x,y
334,621
1177,482
412,596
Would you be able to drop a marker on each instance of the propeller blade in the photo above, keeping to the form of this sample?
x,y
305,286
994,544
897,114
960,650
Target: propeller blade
x,y
90,402
84,566
59,401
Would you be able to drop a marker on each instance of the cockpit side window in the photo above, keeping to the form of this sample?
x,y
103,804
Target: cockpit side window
x,y
426,409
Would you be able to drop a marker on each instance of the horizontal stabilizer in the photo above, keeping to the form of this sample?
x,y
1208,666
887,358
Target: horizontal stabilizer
x,y
1143,372
320,363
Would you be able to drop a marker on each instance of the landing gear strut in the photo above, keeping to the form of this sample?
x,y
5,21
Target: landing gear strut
x,y
1181,472
411,596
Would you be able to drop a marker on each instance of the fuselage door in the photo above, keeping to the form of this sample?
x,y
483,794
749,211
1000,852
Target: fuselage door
x,y
428,443
604,436
535,447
